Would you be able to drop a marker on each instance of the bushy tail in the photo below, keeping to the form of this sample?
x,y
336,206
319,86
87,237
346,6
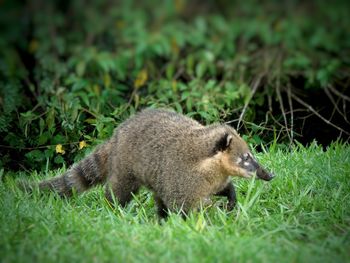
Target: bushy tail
x,y
90,171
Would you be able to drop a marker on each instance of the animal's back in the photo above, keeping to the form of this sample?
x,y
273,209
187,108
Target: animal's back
x,y
153,122
158,148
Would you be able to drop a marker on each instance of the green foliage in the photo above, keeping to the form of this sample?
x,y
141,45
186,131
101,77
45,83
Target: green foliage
x,y
71,71
303,215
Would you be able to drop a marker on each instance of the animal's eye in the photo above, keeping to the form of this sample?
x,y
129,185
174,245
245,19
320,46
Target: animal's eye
x,y
245,156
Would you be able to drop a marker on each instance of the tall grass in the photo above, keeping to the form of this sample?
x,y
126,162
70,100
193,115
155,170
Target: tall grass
x,y
303,215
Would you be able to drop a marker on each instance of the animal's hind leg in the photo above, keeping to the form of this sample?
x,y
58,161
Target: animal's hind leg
x,y
121,189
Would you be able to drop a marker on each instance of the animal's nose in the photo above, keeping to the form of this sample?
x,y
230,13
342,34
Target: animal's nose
x,y
271,176
264,175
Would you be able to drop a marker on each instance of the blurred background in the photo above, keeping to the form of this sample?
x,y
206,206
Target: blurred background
x,y
71,71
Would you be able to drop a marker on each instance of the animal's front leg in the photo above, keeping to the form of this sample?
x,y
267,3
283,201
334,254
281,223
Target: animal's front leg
x,y
161,207
230,193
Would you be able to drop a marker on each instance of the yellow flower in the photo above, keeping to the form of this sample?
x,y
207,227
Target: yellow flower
x,y
59,149
141,79
82,144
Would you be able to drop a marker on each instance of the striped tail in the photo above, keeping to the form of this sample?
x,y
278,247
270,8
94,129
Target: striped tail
x,y
90,171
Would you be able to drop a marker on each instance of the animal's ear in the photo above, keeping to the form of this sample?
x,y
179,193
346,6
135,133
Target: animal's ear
x,y
222,143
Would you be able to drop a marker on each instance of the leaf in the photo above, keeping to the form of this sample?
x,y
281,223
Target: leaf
x,y
35,155
170,69
137,100
257,139
107,80
43,138
59,159
96,89
200,69
141,79
174,86
50,119
200,224
80,68
41,125
174,47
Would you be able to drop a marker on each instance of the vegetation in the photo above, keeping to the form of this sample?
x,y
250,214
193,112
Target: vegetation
x,y
71,72
303,215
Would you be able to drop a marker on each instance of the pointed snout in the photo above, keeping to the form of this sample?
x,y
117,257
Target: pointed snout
x,y
264,175
251,165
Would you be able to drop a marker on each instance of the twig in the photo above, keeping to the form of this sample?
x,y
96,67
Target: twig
x,y
277,122
296,110
306,116
291,112
269,100
282,107
344,97
23,167
255,87
317,114
231,112
26,148
231,121
90,112
38,147
178,73
336,108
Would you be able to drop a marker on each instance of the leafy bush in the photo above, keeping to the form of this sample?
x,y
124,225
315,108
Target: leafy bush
x,y
71,72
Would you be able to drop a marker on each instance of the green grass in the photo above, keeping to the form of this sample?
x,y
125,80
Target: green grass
x,y
303,215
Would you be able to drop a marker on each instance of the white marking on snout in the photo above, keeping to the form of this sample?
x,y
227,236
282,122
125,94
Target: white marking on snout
x,y
246,164
251,156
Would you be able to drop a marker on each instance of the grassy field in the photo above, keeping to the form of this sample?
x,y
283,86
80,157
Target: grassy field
x,y
303,215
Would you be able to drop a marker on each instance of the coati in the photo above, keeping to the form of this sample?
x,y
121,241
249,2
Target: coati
x,y
180,160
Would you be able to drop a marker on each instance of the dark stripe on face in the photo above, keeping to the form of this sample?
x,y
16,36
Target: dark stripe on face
x,y
248,163
253,163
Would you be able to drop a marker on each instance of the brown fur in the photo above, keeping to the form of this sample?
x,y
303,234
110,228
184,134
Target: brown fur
x,y
180,160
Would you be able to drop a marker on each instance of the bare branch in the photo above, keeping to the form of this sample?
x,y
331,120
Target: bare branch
x,y
291,112
308,106
38,147
339,94
255,87
278,91
336,108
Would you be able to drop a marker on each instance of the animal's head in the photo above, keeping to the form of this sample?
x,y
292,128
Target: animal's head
x,y
233,156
